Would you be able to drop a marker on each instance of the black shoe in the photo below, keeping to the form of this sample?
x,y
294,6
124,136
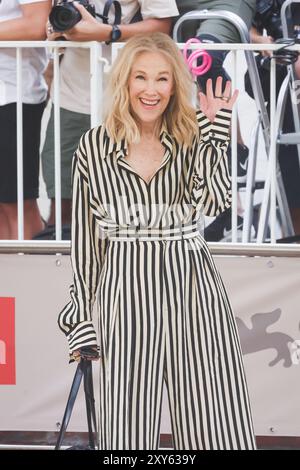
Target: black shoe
x,y
220,228
242,162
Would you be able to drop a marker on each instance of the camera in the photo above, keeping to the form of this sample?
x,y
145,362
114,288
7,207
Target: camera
x,y
64,15
268,17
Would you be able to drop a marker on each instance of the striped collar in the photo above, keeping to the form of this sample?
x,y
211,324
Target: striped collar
x,y
120,149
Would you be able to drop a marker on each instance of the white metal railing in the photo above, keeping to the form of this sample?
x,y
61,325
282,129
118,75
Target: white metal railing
x,y
96,90
62,247
96,61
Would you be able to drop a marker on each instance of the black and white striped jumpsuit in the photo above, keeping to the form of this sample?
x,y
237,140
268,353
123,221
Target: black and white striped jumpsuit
x,y
163,310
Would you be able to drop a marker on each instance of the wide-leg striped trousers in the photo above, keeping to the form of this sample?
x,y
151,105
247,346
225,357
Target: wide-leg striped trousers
x,y
165,315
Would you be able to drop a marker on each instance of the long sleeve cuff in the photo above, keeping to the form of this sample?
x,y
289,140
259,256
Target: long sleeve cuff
x,y
83,334
217,130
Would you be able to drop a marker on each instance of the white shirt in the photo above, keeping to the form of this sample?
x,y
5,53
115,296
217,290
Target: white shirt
x,y
75,66
33,64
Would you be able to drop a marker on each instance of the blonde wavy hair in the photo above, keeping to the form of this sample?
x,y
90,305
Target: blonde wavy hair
x,y
179,116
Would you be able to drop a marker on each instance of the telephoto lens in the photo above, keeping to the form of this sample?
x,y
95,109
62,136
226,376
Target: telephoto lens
x,y
65,15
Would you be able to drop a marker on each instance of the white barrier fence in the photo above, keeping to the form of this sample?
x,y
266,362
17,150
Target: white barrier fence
x,y
96,88
96,83
35,376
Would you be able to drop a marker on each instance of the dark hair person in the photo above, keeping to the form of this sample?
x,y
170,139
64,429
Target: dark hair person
x,y
143,179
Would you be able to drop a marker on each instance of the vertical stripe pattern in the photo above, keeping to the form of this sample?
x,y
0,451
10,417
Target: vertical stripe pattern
x,y
164,314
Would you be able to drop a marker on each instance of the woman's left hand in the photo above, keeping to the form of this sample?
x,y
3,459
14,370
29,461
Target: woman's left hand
x,y
212,102
90,353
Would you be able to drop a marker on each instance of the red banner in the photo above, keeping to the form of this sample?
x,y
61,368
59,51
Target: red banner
x,y
7,341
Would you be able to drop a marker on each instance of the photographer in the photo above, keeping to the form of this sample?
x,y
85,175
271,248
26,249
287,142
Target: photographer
x,y
21,20
266,29
75,80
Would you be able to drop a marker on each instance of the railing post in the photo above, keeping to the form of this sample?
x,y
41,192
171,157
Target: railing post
x,y
57,150
96,69
19,111
273,160
234,155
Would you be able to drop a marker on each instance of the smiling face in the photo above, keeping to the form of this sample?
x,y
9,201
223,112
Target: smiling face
x,y
150,87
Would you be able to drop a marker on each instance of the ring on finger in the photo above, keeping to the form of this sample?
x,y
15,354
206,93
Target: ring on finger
x,y
224,98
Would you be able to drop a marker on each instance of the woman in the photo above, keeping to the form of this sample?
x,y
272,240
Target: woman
x,y
143,179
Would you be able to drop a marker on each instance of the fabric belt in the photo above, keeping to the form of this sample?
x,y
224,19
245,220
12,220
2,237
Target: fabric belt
x,y
131,235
